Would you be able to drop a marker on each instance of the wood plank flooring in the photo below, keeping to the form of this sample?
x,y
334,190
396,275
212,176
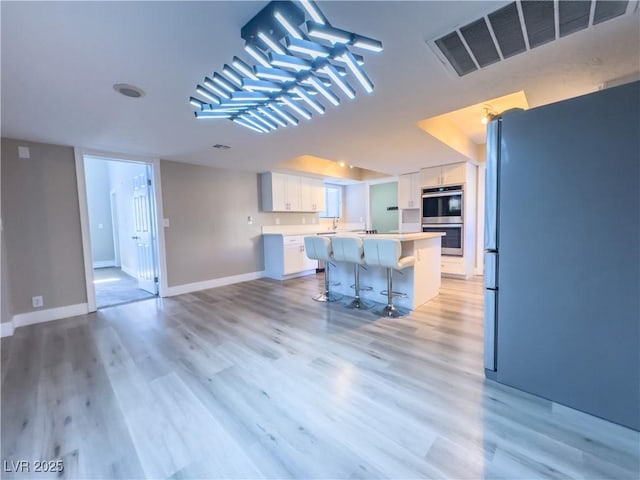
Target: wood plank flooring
x,y
255,380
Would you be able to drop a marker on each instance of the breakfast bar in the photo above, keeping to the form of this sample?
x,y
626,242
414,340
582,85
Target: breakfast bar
x,y
420,282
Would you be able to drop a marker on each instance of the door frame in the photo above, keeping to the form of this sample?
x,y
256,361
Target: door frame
x,y
79,154
115,228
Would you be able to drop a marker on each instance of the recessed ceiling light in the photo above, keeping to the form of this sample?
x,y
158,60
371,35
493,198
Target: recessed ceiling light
x,y
128,90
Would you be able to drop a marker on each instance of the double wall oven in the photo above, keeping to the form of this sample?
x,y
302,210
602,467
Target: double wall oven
x,y
442,211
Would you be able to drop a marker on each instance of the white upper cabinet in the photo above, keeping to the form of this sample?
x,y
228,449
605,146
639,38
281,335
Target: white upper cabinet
x,y
409,193
312,194
282,192
430,177
454,174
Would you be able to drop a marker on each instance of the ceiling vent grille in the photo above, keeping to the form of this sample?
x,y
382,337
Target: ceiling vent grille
x,y
519,27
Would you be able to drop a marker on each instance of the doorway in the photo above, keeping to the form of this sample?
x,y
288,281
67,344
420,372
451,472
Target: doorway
x,y
122,229
383,201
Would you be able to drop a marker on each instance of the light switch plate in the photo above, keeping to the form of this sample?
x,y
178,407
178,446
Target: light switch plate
x,y
23,152
165,222
37,301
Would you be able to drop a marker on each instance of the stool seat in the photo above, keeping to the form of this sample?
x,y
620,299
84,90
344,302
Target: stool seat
x,y
386,252
350,249
318,247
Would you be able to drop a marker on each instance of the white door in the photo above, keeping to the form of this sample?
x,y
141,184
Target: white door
x,y
144,233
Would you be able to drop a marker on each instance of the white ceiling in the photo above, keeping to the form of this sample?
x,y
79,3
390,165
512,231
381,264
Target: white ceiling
x,y
60,60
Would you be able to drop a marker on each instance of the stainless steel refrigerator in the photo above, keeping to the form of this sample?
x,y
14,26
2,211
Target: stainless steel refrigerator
x,y
562,252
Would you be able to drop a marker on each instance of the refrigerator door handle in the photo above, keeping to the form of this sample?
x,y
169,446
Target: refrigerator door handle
x,y
492,199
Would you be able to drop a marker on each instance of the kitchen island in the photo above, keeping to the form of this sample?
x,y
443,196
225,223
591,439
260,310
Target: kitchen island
x,y
421,282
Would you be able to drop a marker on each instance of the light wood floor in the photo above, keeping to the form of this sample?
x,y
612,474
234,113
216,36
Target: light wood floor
x,y
256,380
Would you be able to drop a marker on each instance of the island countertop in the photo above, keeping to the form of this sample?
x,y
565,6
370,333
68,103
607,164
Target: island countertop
x,y
403,237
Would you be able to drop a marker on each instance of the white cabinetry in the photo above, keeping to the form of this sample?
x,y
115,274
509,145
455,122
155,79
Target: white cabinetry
x,y
285,257
282,192
454,174
409,193
312,190
464,174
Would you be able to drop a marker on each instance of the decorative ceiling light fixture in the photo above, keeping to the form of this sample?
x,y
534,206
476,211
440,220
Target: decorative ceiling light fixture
x,y
297,56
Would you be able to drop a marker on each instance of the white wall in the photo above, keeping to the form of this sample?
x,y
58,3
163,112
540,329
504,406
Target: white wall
x,y
356,203
41,235
98,203
121,175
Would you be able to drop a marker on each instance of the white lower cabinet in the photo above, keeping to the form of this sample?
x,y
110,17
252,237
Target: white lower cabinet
x,y
451,265
285,257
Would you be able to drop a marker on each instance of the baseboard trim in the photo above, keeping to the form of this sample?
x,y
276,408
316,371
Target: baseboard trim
x,y
104,264
41,316
294,275
216,282
6,329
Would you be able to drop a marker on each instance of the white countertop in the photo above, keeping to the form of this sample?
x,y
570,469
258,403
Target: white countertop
x,y
403,237
291,233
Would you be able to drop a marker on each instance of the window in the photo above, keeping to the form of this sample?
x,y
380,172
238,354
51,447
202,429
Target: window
x,y
333,201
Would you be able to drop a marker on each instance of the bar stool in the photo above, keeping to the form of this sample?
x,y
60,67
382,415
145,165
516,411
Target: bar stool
x,y
318,247
351,250
385,252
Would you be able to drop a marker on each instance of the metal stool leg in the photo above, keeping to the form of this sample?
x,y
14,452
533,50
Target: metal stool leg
x,y
357,302
390,309
327,296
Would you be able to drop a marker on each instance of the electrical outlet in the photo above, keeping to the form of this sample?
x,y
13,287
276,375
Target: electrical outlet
x,y
165,223
250,220
37,301
23,152
277,220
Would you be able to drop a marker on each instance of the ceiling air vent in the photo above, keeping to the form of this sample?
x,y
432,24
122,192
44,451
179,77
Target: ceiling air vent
x,y
574,15
539,20
519,27
506,26
606,10
480,42
455,51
